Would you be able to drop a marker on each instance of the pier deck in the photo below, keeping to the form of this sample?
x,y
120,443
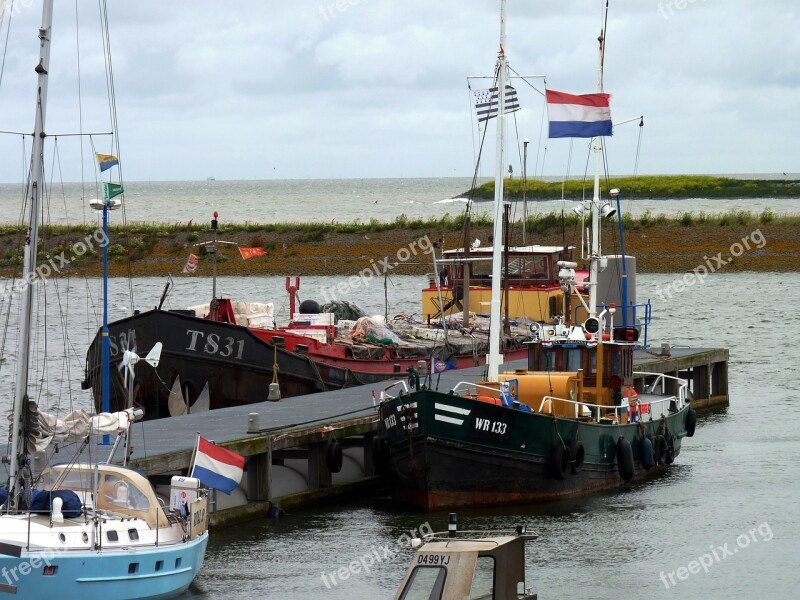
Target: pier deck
x,y
286,443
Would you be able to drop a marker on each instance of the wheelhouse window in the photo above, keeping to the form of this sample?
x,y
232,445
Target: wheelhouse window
x,y
573,359
483,579
425,583
547,360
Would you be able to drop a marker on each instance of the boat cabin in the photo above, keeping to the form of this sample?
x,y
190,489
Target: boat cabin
x,y
469,566
533,287
119,490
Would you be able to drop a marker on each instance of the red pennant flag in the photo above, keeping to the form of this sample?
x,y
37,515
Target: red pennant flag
x,y
251,252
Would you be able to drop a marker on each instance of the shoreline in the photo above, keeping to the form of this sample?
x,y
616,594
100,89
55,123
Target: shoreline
x,y
769,243
651,187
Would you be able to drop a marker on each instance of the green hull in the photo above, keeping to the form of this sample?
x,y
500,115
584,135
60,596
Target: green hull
x,y
446,451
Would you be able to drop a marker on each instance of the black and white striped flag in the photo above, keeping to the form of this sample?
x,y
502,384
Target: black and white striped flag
x,y
486,102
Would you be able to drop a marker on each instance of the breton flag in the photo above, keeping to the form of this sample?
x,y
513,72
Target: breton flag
x,y
191,264
486,102
216,467
106,161
251,252
585,116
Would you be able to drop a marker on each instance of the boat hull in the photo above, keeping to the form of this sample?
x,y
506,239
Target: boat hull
x,y
463,452
105,573
235,363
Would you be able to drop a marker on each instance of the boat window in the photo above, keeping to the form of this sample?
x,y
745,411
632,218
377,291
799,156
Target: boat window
x,y
616,368
548,360
572,359
591,368
73,480
483,579
425,583
119,492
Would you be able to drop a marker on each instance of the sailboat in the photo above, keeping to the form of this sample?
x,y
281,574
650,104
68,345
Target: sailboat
x,y
571,423
83,530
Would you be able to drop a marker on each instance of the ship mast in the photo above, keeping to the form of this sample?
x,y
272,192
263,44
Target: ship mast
x,y
596,250
494,358
18,442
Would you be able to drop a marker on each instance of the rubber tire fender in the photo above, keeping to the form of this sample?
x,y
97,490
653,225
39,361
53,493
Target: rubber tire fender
x,y
691,422
559,462
660,450
670,448
334,457
625,459
646,453
576,454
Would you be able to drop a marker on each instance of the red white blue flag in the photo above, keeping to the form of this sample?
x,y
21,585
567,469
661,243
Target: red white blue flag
x,y
216,467
572,116
191,264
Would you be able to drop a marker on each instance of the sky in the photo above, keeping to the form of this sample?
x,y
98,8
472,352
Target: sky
x,y
378,88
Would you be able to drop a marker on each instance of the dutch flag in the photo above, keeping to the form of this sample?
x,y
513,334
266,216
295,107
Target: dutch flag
x,y
216,467
585,116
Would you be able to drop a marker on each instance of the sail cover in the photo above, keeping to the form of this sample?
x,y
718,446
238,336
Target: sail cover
x,y
76,426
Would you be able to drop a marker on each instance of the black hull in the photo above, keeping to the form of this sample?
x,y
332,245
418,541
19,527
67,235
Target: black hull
x,y
445,465
235,364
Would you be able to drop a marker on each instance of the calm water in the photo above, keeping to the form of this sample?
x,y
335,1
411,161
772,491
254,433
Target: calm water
x,y
320,200
737,474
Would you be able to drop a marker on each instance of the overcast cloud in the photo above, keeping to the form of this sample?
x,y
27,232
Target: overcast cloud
x,y
377,88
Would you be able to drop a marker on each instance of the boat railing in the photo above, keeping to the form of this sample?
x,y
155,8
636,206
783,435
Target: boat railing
x,y
466,385
384,396
660,380
644,410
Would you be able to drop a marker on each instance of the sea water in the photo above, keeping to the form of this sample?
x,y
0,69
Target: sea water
x,y
722,522
323,201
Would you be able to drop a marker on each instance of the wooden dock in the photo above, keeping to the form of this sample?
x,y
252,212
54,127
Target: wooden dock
x,y
286,443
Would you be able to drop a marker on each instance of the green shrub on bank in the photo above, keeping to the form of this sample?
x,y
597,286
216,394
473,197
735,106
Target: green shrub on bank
x,y
647,186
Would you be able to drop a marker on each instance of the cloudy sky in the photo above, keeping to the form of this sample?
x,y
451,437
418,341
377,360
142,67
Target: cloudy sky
x,y
377,88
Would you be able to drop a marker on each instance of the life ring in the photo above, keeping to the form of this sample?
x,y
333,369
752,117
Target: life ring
x,y
660,450
334,457
646,453
559,462
624,459
576,454
691,422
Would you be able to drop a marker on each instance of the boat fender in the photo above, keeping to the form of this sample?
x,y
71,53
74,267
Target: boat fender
x,y
646,453
576,454
624,459
559,462
334,457
660,450
670,448
691,422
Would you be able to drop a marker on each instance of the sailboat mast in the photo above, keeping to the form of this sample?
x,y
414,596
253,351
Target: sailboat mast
x,y
494,358
18,442
596,250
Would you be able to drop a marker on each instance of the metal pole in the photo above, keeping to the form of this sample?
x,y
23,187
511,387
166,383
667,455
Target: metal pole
x,y
524,191
494,358
105,363
18,448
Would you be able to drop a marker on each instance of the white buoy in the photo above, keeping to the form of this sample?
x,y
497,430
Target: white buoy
x,y
274,392
56,515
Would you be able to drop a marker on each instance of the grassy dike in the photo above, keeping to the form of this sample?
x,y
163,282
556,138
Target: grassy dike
x,y
650,186
661,244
